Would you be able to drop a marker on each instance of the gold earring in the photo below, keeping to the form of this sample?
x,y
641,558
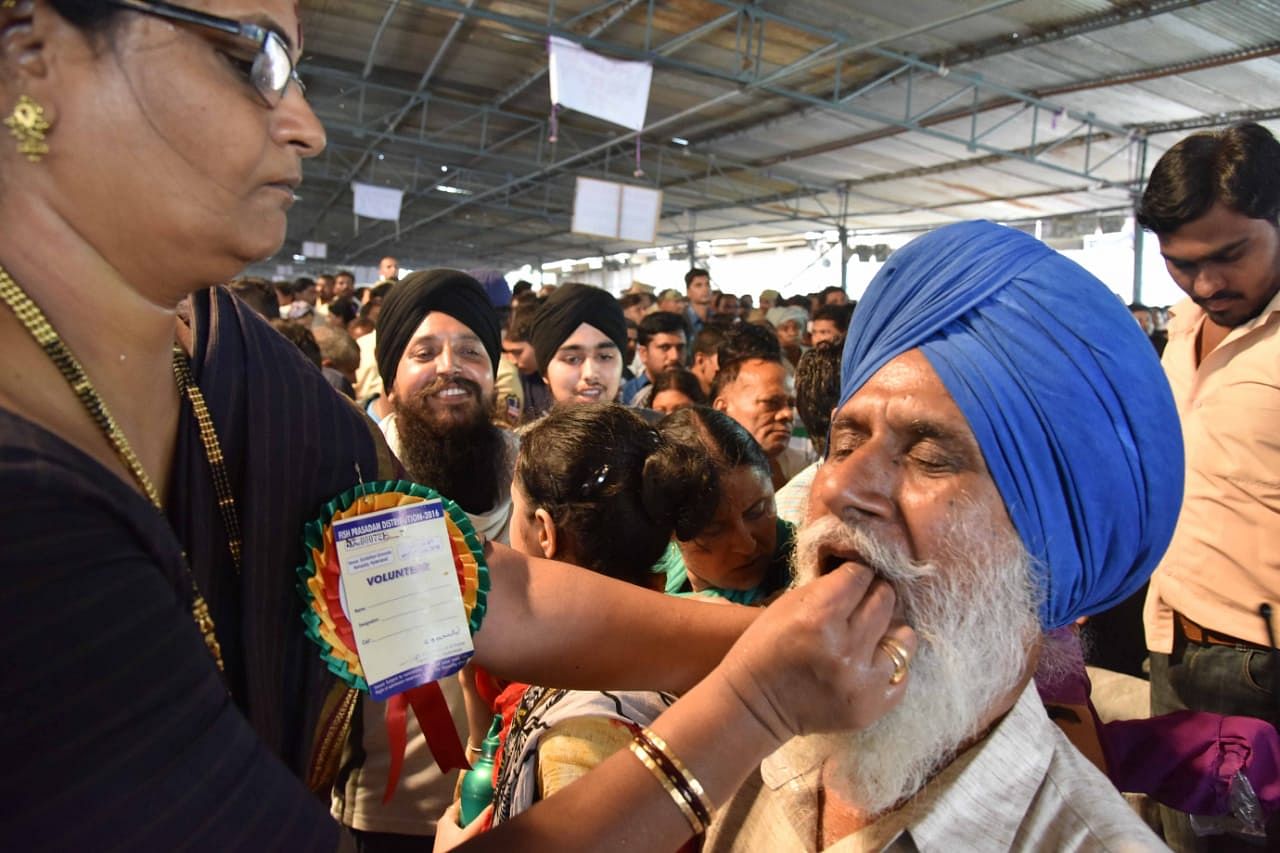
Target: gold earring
x,y
27,124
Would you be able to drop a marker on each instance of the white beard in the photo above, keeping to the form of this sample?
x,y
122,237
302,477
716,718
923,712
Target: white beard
x,y
976,620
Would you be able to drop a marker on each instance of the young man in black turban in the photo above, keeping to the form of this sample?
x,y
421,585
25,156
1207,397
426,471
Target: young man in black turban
x,y
578,336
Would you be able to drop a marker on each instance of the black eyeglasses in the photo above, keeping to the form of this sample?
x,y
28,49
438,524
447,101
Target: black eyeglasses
x,y
264,53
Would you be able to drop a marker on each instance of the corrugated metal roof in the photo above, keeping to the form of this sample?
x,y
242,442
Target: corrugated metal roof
x,y
766,156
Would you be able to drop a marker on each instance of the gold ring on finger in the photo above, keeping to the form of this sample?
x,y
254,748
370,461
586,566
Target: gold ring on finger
x,y
898,654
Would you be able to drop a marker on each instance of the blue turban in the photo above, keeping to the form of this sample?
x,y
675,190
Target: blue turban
x,y
1062,390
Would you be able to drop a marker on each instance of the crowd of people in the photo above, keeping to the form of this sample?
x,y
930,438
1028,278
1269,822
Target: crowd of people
x,y
794,575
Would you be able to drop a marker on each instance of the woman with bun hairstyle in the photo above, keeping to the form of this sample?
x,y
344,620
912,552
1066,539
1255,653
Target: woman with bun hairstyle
x,y
597,487
741,552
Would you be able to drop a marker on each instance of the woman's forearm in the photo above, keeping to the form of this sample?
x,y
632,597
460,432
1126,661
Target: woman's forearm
x,y
810,663
710,729
560,626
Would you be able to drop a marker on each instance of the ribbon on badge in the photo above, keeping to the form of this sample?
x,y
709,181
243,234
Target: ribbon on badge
x,y
328,626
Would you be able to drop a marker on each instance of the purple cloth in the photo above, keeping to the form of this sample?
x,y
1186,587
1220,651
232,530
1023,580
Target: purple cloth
x,y
495,286
1185,760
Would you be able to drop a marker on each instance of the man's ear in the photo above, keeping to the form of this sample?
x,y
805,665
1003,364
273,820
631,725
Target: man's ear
x,y
720,404
545,529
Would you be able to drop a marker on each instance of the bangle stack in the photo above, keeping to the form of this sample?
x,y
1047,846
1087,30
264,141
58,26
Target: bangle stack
x,y
685,790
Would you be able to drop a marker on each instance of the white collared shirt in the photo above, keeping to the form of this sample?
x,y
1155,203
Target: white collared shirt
x,y
1023,787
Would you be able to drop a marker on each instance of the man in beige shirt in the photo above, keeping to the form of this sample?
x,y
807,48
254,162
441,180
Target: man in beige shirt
x,y
1213,201
437,349
1003,496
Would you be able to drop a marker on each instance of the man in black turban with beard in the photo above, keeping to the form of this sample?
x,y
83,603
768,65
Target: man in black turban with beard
x,y
437,351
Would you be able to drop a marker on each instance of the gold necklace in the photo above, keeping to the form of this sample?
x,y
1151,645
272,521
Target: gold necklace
x,y
39,327
212,453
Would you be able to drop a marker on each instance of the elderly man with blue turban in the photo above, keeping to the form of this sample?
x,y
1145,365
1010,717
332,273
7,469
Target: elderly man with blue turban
x,y
1001,453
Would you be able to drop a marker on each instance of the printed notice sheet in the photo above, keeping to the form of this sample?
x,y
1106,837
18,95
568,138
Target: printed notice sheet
x,y
400,593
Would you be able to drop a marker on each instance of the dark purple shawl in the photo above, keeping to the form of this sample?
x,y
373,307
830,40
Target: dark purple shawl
x,y
291,443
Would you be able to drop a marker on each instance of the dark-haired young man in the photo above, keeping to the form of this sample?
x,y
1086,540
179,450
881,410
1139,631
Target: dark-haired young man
x,y
833,295
324,289
1213,202
697,286
344,284
728,310
660,344
706,355
518,375
831,323
629,357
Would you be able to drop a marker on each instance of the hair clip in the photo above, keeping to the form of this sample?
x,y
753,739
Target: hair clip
x,y
595,481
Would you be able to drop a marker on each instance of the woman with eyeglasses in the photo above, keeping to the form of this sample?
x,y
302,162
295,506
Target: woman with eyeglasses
x,y
155,475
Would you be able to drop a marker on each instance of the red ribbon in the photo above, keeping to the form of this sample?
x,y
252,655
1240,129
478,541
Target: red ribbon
x,y
487,686
505,705
437,726
432,712
396,742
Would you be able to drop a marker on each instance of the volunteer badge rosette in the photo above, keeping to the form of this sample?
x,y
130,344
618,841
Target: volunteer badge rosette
x,y
395,585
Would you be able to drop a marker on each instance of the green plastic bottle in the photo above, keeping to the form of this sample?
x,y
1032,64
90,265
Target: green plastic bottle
x,y
477,783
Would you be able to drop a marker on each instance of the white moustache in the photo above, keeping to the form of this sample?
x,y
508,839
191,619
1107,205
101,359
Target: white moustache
x,y
975,619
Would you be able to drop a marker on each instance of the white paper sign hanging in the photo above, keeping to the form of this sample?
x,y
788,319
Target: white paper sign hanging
x,y
595,207
638,218
621,211
610,89
375,202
